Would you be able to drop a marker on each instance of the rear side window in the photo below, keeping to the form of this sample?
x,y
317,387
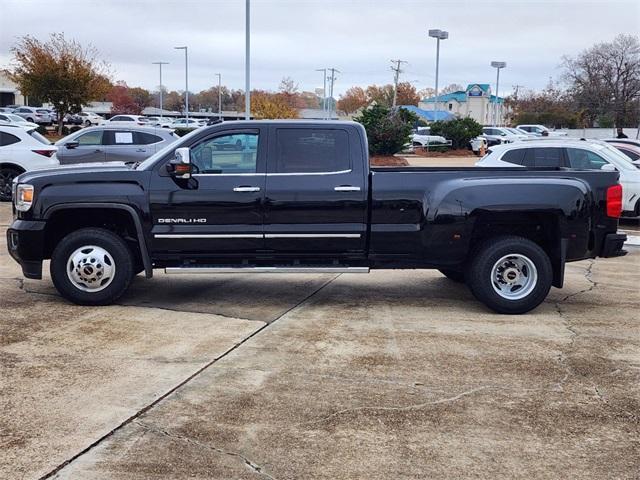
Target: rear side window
x,y
547,157
312,150
7,139
515,156
38,137
630,154
143,138
117,137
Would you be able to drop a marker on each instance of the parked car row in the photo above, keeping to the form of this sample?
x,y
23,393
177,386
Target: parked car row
x,y
574,154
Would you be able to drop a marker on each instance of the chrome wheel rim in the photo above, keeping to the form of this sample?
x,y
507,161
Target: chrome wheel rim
x,y
514,276
91,268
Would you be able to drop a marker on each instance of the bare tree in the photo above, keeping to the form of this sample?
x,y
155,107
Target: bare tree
x,y
605,79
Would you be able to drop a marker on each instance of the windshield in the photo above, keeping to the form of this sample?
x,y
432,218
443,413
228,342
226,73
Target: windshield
x,y
619,159
161,153
39,137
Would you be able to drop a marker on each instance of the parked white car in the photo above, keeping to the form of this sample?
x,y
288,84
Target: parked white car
x,y
22,150
127,120
164,122
185,123
571,154
423,138
38,115
540,131
477,144
12,119
90,118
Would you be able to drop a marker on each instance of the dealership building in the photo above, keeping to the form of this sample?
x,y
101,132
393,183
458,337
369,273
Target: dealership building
x,y
9,93
476,101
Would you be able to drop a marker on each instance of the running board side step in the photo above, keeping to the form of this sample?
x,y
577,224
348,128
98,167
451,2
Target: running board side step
x,y
189,270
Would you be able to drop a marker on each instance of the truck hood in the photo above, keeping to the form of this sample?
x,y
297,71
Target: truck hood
x,y
85,171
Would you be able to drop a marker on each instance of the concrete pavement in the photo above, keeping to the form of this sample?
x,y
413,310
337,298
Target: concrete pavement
x,y
387,375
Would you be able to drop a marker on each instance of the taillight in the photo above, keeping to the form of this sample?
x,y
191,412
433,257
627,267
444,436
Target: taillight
x,y
46,153
614,201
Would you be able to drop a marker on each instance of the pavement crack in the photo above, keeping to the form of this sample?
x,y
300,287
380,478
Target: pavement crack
x,y
563,357
398,408
249,463
172,390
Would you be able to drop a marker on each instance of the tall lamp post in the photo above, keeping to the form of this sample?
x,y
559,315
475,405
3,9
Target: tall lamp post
x,y
219,75
324,91
438,35
186,78
247,62
497,66
160,65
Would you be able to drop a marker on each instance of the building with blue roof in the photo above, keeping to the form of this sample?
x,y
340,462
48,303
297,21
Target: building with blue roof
x,y
429,115
476,101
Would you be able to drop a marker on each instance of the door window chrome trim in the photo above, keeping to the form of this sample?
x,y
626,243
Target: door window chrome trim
x,y
208,235
339,172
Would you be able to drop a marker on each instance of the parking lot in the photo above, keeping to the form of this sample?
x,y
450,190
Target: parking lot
x,y
387,375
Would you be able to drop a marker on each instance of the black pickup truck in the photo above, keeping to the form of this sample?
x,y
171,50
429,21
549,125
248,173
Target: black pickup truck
x,y
296,196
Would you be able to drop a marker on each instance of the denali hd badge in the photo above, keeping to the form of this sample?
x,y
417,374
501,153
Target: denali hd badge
x,y
182,220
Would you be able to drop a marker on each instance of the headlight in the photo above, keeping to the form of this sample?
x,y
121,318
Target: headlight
x,y
23,197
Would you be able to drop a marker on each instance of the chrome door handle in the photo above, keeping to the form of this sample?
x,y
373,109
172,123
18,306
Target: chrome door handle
x,y
246,189
346,188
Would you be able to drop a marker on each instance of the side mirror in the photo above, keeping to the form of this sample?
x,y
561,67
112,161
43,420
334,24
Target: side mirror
x,y
607,167
180,166
71,144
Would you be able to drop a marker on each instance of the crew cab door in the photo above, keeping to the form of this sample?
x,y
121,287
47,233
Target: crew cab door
x,y
219,210
316,200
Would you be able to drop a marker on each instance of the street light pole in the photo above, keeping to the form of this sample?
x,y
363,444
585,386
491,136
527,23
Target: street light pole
x,y
186,78
247,60
497,66
160,65
332,80
324,91
219,96
438,35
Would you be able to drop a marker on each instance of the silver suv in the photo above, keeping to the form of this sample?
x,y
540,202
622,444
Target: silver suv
x,y
41,116
113,143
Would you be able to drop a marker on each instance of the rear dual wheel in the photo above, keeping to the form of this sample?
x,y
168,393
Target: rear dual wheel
x,y
510,274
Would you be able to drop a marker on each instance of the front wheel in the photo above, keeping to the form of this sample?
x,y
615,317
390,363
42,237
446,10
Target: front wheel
x,y
92,266
87,123
7,175
510,274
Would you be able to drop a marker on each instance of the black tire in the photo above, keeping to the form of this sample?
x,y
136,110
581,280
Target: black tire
x,y
453,275
116,248
481,282
7,174
87,123
29,119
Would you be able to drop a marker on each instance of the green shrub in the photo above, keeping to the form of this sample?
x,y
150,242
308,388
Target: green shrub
x,y
65,131
388,130
42,130
460,131
181,132
74,129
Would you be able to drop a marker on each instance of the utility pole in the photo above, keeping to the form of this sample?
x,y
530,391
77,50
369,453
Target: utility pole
x,y
395,67
332,79
324,91
516,88
160,65
247,62
219,75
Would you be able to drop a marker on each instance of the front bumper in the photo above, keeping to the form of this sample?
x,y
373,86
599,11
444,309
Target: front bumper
x,y
612,246
25,241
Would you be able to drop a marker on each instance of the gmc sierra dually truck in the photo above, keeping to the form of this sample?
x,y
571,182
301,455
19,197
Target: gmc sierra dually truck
x,y
297,196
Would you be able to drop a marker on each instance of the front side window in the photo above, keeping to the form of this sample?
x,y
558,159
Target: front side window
x,y
312,150
632,155
585,159
231,154
90,138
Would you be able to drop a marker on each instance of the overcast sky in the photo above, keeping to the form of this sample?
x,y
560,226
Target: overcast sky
x,y
295,37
